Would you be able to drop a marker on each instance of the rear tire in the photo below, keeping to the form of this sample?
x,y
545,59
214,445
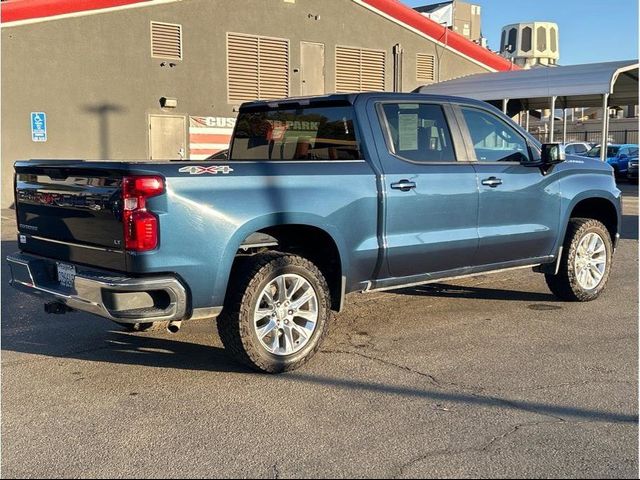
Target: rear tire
x,y
276,314
586,262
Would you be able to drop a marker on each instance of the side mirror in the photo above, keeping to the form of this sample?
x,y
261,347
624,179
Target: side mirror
x,y
552,153
623,156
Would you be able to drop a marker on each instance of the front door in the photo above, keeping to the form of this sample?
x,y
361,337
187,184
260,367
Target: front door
x,y
167,137
519,211
431,199
312,68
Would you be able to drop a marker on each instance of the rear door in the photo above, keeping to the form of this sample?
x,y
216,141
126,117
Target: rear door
x,y
431,198
167,137
312,68
519,210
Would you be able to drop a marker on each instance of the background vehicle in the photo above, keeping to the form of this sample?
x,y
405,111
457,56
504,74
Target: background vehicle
x,y
632,172
321,197
617,157
577,148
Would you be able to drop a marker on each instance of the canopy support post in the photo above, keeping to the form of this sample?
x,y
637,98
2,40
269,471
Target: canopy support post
x,y
526,121
564,126
552,123
505,104
605,127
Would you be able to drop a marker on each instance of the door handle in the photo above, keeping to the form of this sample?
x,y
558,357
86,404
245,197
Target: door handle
x,y
492,182
404,185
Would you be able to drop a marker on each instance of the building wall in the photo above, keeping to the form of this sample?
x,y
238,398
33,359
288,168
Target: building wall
x,y
465,14
95,79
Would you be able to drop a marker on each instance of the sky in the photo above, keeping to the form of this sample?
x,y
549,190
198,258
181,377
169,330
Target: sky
x,y
590,30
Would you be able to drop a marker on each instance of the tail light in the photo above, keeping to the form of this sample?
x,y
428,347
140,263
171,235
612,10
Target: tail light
x,y
140,226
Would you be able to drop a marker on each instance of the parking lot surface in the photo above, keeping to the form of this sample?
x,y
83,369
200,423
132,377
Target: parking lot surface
x,y
489,376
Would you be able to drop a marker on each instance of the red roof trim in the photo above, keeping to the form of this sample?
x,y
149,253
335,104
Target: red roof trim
x,y
410,17
15,10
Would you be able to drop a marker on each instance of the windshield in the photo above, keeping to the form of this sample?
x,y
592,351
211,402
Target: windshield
x,y
595,152
311,133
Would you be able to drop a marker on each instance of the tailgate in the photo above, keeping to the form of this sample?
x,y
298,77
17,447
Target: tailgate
x,y
71,212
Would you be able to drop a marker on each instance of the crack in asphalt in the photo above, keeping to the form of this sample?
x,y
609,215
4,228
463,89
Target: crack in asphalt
x,y
433,380
401,470
574,384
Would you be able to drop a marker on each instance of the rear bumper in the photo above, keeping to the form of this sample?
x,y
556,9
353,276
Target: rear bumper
x,y
103,293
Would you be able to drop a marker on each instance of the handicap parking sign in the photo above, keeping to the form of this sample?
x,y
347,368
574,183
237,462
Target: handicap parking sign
x,y
38,126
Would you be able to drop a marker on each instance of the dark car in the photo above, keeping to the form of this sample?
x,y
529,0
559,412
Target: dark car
x,y
632,172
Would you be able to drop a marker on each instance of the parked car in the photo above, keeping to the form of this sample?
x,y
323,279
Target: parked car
x,y
320,197
632,172
577,148
617,157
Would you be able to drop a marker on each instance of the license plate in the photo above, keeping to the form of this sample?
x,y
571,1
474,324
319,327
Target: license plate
x,y
66,274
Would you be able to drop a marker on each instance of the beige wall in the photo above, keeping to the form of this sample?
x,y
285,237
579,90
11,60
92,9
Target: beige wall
x,y
95,79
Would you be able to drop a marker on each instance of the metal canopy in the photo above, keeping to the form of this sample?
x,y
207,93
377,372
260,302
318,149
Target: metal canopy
x,y
573,85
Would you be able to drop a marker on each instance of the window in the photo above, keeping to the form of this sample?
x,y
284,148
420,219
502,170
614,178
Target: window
x,y
513,38
493,139
166,40
579,149
595,152
418,132
313,133
257,68
466,30
554,39
425,67
503,41
360,70
527,32
542,39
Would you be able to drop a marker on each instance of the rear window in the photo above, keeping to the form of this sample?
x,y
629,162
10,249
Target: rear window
x,y
313,133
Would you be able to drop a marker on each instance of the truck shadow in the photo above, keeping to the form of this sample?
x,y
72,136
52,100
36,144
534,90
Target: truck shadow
x,y
470,292
27,330
629,227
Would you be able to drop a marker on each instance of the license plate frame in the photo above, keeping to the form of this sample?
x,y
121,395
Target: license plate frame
x,y
66,274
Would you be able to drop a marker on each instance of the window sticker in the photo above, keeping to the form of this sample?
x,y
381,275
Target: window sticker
x,y
408,127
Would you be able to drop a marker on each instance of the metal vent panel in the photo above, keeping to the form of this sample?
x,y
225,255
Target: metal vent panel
x,y
257,68
425,67
166,40
360,69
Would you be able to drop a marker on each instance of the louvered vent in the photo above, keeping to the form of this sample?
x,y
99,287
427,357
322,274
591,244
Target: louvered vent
x,y
360,70
425,68
166,40
258,68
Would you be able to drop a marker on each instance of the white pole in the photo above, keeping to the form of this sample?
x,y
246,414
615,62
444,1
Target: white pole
x,y
552,125
605,127
505,103
564,126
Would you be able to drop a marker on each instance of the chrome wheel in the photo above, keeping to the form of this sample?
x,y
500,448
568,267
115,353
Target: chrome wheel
x,y
286,315
591,261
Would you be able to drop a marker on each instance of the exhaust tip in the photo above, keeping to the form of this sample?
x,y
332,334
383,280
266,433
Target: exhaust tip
x,y
174,327
56,308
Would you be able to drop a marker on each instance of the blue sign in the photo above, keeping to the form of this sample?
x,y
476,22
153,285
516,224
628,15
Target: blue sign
x,y
38,126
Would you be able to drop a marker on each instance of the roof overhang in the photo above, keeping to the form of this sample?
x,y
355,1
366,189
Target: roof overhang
x,y
573,85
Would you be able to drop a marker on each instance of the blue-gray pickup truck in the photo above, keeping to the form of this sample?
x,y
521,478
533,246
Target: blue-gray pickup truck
x,y
319,197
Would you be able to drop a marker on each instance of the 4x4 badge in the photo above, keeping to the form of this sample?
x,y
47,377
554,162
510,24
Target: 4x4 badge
x,y
213,170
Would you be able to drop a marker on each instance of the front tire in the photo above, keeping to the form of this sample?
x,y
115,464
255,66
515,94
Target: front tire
x,y
586,262
277,312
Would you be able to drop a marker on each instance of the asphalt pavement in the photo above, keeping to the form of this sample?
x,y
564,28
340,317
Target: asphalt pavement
x,y
486,377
